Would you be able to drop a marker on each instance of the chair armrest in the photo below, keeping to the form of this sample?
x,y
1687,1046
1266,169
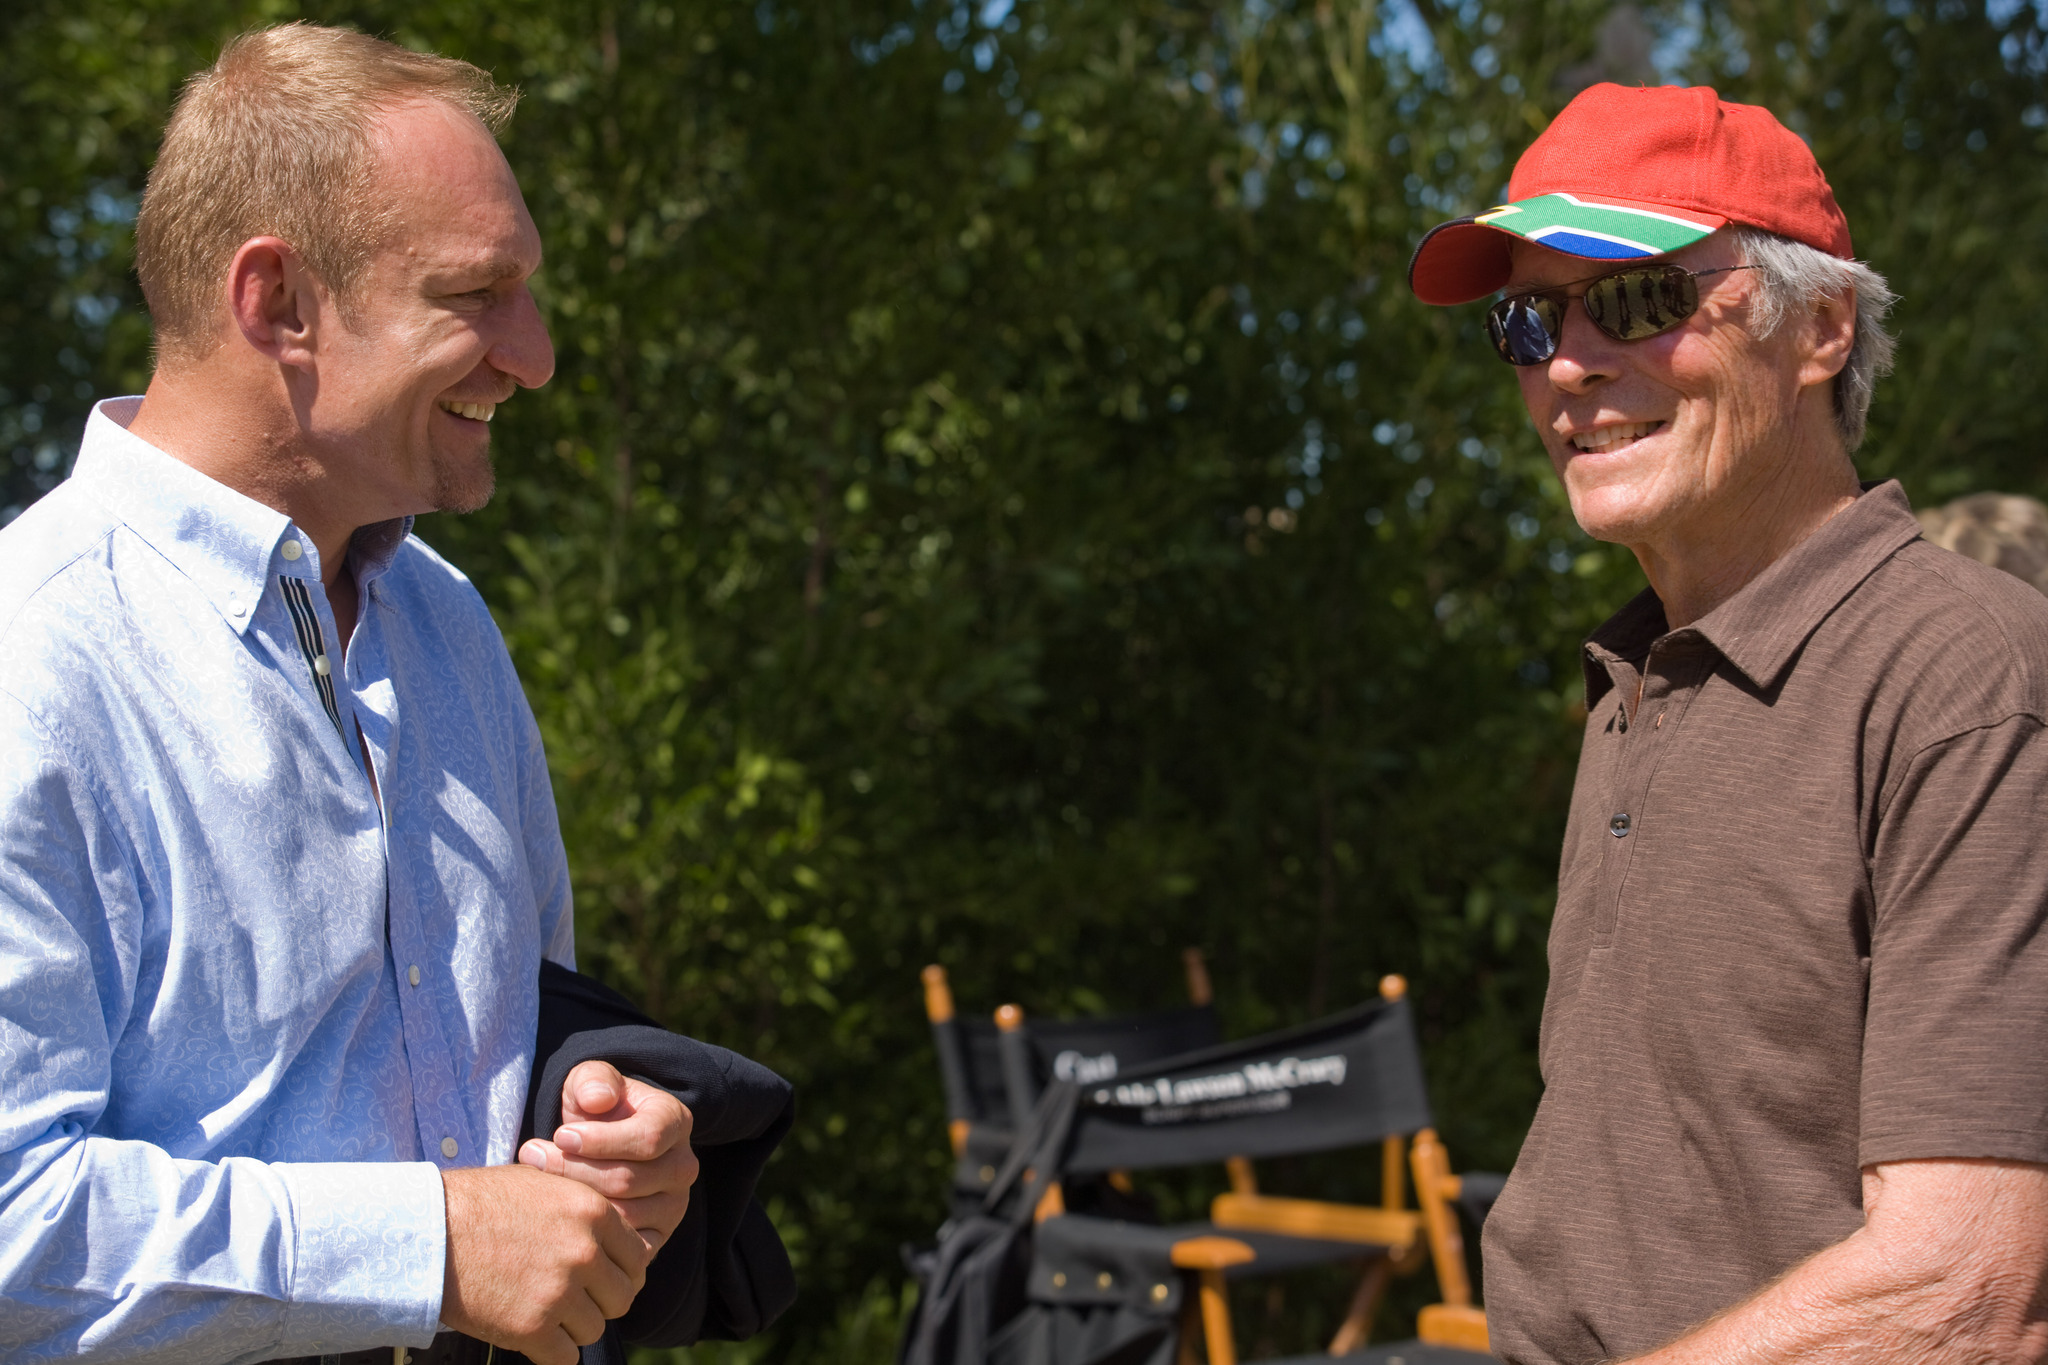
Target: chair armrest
x,y
1443,1324
1211,1253
1396,1230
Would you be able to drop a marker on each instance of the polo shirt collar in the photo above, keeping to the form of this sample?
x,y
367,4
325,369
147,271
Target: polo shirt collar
x,y
227,543
1626,635
1761,628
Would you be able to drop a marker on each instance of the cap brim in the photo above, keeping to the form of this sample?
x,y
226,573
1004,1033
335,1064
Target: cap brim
x,y
1459,261
1469,258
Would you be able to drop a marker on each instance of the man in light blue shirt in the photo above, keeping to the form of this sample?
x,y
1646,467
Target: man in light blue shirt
x,y
279,858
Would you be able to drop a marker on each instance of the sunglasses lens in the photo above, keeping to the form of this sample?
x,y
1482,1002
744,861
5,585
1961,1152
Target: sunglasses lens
x,y
1642,303
1524,328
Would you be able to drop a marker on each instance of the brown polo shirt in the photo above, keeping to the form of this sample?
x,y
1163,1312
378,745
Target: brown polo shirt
x,y
1799,930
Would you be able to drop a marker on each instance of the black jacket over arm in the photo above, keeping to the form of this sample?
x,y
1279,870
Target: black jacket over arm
x,y
723,1275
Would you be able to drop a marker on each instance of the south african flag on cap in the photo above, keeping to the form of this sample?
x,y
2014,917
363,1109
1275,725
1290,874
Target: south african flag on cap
x,y
1599,230
1467,258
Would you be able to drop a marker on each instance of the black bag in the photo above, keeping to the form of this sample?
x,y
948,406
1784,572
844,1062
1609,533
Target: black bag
x,y
986,1297
1101,1291
973,1285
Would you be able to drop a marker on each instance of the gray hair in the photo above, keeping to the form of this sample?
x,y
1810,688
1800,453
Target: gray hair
x,y
1796,278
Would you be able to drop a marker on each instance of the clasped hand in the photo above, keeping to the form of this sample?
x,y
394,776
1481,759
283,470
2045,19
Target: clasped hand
x,y
540,1254
628,1141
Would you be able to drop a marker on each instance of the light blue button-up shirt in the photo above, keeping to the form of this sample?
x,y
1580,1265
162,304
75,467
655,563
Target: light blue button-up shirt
x,y
246,1015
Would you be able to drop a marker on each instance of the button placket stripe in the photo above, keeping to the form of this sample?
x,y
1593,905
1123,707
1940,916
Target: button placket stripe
x,y
1674,688
298,604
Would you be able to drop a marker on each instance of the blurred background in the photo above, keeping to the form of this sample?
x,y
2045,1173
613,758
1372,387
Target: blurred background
x,y
1000,506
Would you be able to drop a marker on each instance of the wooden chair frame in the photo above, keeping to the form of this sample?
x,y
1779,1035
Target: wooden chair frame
x,y
1457,1321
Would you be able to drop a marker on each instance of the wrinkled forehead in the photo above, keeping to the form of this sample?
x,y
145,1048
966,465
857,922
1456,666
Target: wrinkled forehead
x,y
1536,267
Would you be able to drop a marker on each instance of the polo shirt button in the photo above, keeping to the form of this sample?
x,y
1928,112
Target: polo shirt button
x,y
1619,825
291,549
448,1148
321,666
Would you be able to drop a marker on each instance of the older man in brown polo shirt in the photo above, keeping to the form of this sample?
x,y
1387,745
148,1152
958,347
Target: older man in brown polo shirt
x,y
1796,1043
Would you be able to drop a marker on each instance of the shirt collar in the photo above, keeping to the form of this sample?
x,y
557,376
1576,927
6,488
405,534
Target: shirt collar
x,y
374,547
228,544
1628,634
1761,628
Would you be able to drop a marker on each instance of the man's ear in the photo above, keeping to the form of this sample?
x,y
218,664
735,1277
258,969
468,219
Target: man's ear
x,y
1831,333
275,302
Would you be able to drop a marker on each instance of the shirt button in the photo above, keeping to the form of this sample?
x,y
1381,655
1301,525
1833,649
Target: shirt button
x,y
412,974
237,609
291,549
321,666
1618,826
448,1148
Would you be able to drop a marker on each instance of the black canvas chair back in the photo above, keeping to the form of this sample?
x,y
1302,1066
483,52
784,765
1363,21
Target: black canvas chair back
x,y
971,1051
1088,1051
1350,1079
986,1100
993,1076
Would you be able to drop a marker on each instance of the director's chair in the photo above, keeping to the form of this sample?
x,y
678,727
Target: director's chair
x,y
994,1074
1349,1080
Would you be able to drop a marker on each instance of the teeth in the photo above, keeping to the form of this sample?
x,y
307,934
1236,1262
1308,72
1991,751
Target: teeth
x,y
1607,438
475,412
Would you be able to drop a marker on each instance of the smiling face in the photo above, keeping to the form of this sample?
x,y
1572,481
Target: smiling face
x,y
444,327
1684,437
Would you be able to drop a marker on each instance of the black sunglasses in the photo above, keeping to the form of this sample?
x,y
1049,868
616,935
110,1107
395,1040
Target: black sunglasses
x,y
1628,305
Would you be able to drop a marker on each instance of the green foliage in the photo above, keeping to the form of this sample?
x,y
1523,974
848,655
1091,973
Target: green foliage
x,y
999,504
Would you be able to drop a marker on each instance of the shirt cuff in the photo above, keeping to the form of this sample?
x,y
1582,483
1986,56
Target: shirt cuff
x,y
370,1252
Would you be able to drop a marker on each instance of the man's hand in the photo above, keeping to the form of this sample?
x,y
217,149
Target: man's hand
x,y
628,1141
535,1264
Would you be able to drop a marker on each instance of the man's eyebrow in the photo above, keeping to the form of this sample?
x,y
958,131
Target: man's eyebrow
x,y
491,271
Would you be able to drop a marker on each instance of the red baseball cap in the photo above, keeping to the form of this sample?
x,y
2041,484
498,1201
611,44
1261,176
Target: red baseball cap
x,y
1627,172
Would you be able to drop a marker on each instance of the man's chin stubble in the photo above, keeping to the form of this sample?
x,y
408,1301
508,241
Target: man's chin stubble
x,y
467,492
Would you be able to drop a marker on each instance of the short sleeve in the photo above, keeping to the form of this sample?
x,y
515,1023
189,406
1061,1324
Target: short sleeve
x,y
1957,1022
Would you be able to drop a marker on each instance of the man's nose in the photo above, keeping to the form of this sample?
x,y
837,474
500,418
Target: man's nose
x,y
1585,355
522,348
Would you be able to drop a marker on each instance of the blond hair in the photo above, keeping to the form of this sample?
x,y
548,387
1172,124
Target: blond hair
x,y
276,139
2003,530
